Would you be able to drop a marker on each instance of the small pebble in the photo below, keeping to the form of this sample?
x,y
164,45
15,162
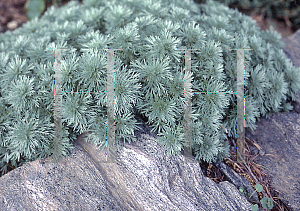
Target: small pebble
x,y
262,152
253,150
12,25
232,149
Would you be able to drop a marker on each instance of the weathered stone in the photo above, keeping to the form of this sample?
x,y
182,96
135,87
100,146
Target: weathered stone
x,y
237,180
292,47
296,104
292,50
143,177
278,136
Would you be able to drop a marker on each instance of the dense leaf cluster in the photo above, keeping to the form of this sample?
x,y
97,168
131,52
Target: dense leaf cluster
x,y
149,75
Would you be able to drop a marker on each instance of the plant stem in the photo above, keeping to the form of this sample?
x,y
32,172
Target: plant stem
x,y
257,182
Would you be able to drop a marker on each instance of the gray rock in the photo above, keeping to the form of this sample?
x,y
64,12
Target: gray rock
x,y
292,51
296,105
278,135
238,180
292,47
142,177
233,149
254,150
262,152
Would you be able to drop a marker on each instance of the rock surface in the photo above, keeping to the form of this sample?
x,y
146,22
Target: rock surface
x,y
279,136
238,180
292,51
292,47
143,177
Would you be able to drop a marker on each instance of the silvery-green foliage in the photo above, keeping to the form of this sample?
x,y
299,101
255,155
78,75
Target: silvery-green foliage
x,y
149,75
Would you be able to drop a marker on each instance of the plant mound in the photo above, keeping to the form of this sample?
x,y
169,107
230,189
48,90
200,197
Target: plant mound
x,y
149,75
